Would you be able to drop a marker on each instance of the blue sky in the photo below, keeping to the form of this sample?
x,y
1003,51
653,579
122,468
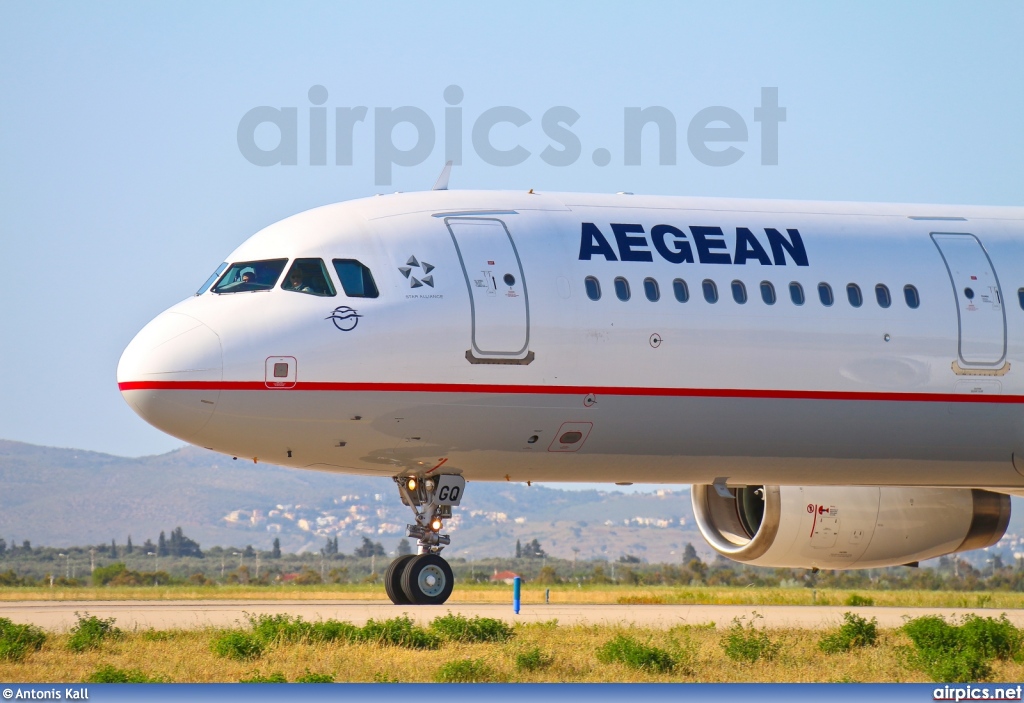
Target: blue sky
x,y
122,185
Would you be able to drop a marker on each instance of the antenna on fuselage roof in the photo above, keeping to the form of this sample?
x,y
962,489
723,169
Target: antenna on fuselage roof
x,y
442,180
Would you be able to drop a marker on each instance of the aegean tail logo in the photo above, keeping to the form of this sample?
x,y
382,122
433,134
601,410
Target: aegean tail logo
x,y
344,318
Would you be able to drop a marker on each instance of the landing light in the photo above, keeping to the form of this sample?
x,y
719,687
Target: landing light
x,y
411,485
436,524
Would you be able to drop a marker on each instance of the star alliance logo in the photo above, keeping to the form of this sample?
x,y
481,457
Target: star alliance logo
x,y
426,278
344,318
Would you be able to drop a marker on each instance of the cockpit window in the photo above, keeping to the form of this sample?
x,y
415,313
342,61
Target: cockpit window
x,y
209,281
308,276
355,278
248,276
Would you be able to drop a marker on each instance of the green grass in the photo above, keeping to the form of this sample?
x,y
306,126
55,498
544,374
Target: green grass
x,y
111,674
18,640
636,655
458,628
256,677
399,632
532,660
464,671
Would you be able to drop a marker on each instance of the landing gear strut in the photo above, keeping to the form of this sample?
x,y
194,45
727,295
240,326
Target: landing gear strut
x,y
425,578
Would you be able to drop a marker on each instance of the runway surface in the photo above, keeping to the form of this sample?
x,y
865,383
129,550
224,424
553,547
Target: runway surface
x,y
192,614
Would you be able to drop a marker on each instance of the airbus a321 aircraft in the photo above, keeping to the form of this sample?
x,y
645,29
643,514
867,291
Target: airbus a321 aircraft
x,y
840,382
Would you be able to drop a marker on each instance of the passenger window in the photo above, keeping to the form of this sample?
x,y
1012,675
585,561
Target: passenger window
x,y
309,276
710,290
651,290
796,293
622,289
853,295
593,287
767,293
825,294
682,291
911,296
1020,297
882,296
355,278
209,281
739,292
249,276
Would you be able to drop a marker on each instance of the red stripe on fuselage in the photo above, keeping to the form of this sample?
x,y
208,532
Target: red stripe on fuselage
x,y
498,389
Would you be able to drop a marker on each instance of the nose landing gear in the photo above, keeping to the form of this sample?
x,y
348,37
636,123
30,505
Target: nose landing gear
x,y
425,578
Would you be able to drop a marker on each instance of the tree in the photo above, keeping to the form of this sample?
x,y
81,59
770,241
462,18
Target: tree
x,y
128,545
519,550
182,546
275,553
689,553
248,552
3,546
113,549
331,548
533,550
161,545
370,549
403,547
26,547
148,547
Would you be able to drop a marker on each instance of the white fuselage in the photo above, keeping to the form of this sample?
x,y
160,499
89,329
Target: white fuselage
x,y
485,352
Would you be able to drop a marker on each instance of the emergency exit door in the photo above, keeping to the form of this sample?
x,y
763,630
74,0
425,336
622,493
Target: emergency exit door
x,y
979,301
499,306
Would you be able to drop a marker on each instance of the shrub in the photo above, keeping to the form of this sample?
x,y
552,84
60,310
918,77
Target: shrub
x,y
399,632
332,630
310,677
748,644
17,640
635,655
236,644
532,660
964,652
105,574
857,601
464,671
997,639
270,629
91,631
111,674
276,677
854,632
458,628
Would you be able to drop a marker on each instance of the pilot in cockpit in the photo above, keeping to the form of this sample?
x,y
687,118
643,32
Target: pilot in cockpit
x,y
295,281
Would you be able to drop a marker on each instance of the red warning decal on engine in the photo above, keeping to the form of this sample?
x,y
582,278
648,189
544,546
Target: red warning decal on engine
x,y
821,511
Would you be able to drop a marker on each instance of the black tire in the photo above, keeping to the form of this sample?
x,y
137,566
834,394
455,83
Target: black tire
x,y
393,580
427,580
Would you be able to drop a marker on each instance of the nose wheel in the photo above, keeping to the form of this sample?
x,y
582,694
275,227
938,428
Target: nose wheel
x,y
425,578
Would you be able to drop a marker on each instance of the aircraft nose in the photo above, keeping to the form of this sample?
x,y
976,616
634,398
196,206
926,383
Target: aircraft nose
x,y
168,374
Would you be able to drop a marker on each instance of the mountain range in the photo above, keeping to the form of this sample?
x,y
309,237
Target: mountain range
x,y
64,497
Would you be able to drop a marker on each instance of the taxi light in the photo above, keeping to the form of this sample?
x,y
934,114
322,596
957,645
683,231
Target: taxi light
x,y
411,485
436,524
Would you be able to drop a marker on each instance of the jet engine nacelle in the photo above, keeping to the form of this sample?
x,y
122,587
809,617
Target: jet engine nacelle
x,y
829,527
